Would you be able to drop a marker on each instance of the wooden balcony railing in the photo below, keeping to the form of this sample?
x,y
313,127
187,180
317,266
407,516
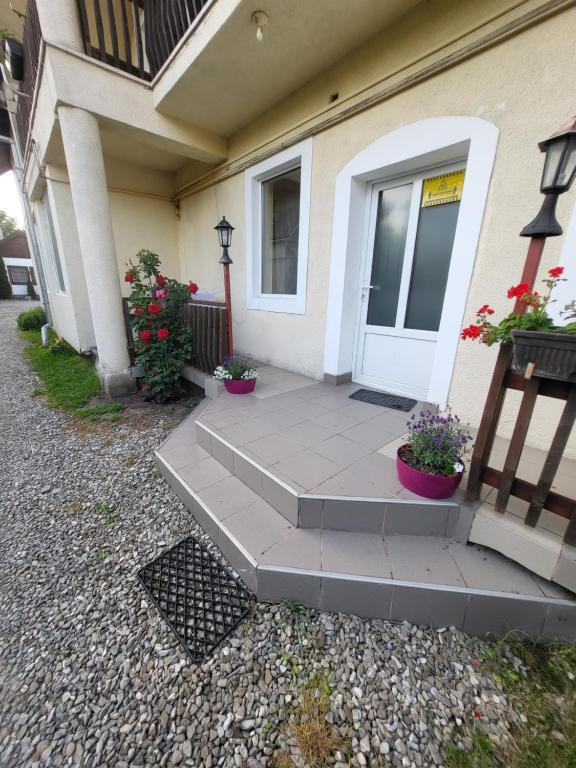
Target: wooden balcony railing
x,y
136,36
32,42
209,332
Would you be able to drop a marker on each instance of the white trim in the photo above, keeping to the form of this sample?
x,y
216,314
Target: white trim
x,y
431,142
298,155
566,291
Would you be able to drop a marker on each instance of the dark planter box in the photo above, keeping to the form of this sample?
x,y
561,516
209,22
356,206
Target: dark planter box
x,y
554,354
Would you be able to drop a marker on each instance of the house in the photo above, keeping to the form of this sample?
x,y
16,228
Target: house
x,y
377,160
19,267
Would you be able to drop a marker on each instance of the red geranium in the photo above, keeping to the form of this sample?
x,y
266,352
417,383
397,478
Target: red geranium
x,y
129,277
193,287
556,271
517,291
138,312
160,280
145,336
154,309
162,334
486,309
472,332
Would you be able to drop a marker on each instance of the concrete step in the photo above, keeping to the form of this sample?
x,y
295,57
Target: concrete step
x,y
428,580
358,513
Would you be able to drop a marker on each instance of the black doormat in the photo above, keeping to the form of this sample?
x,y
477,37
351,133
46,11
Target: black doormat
x,y
385,399
198,598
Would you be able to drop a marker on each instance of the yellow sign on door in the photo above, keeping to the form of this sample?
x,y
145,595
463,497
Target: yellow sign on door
x,y
446,188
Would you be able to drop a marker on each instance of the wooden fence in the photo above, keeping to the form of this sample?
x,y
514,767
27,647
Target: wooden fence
x,y
209,332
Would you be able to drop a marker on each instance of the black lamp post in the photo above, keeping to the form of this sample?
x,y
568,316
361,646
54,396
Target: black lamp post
x,y
557,177
225,229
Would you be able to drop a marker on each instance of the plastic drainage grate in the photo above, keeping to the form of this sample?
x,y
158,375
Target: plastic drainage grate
x,y
198,598
383,398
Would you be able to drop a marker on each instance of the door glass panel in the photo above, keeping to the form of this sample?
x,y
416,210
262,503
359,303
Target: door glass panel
x,y
432,253
280,232
388,257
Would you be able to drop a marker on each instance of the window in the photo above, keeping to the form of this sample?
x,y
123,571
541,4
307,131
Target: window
x,y
18,275
51,243
277,214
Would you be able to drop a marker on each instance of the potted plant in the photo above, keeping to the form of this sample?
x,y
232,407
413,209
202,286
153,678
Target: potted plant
x,y
549,349
238,374
430,463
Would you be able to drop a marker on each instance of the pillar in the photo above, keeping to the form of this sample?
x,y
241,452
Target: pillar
x,y
85,162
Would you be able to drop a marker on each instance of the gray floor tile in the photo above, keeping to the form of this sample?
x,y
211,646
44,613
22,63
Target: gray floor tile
x,y
307,468
223,453
250,474
342,450
379,470
309,512
360,411
258,527
428,606
238,559
228,496
301,549
415,519
284,500
248,431
484,569
222,419
498,615
275,585
307,433
426,560
362,598
282,420
203,473
560,624
336,421
179,457
351,515
360,554
369,436
307,409
274,448
347,483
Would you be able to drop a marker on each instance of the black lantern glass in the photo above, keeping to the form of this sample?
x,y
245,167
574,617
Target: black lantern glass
x,y
224,229
557,177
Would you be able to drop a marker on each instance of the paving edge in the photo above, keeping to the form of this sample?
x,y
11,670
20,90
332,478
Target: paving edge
x,y
477,612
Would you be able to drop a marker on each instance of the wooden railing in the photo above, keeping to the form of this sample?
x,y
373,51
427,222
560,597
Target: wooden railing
x,y
136,36
209,332
539,495
32,42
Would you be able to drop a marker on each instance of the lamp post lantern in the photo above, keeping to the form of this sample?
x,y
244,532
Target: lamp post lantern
x,y
225,229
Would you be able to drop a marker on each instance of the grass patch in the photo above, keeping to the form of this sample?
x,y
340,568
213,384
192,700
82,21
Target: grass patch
x,y
69,380
95,412
316,739
540,682
109,516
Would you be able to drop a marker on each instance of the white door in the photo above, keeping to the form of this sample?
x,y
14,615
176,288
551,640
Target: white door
x,y
410,230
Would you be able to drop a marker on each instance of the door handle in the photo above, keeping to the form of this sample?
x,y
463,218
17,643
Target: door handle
x,y
368,287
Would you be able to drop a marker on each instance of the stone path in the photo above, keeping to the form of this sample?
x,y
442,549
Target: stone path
x,y
89,674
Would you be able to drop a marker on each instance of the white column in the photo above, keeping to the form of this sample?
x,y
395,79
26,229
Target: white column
x,y
85,162
60,23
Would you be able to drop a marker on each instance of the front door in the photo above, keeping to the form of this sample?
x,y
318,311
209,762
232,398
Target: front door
x,y
410,230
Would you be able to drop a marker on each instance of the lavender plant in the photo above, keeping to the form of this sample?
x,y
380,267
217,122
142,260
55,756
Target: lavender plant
x,y
436,443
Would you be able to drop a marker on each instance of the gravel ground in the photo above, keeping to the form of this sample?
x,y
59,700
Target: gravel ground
x,y
91,676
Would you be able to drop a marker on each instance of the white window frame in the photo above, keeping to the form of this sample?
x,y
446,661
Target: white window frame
x,y
300,155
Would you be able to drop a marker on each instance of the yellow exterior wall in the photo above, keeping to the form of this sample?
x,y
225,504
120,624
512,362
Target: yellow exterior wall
x,y
520,85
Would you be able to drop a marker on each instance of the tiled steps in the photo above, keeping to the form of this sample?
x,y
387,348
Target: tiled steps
x,y
384,516
422,579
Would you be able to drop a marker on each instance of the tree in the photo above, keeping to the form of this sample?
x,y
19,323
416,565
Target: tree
x,y
7,224
5,287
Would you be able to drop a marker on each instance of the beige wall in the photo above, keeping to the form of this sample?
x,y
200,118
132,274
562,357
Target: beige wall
x,y
519,85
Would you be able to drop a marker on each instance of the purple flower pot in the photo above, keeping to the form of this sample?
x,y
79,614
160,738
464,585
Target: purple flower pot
x,y
423,483
239,386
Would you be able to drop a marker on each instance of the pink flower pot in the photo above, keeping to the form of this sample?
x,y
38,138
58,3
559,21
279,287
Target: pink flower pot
x,y
239,386
423,483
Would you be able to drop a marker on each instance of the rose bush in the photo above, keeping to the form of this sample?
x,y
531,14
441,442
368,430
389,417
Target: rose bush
x,y
162,340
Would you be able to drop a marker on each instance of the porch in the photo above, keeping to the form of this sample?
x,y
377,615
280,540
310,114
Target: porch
x,y
297,485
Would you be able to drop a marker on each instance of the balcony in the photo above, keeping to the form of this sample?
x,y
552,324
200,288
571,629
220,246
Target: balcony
x,y
136,36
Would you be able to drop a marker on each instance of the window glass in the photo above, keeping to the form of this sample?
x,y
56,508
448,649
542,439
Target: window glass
x,y
388,258
280,233
432,254
18,275
51,242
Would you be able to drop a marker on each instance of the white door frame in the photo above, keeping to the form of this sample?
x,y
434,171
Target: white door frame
x,y
431,142
373,189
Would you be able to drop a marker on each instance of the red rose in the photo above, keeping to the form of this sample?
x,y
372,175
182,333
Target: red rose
x,y
138,312
145,336
517,291
556,271
161,281
154,309
129,277
162,333
193,287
